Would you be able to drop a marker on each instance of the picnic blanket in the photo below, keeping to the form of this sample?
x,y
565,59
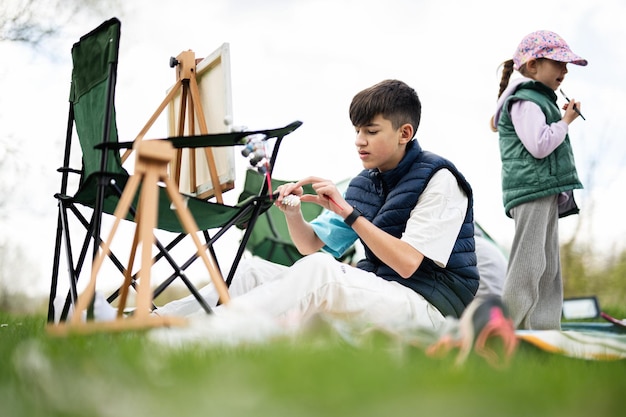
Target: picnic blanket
x,y
597,341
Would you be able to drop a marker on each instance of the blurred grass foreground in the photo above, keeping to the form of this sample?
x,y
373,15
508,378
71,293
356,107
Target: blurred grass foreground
x,y
316,374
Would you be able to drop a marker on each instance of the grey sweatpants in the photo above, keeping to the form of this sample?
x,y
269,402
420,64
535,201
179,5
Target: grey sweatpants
x,y
533,291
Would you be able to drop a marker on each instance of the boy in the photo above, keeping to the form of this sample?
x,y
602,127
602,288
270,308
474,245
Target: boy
x,y
412,211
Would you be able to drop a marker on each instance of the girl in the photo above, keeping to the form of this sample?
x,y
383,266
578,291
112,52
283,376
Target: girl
x,y
538,175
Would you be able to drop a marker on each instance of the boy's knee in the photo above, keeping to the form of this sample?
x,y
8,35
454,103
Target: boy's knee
x,y
317,259
320,267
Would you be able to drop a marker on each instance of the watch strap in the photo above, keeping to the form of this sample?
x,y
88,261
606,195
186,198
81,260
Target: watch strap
x,y
352,216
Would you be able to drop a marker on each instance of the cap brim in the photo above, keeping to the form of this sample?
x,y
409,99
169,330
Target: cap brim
x,y
579,61
565,54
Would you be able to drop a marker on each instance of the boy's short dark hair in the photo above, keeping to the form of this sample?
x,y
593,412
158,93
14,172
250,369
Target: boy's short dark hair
x,y
393,99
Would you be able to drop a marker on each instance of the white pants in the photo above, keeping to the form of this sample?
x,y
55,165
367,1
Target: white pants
x,y
317,284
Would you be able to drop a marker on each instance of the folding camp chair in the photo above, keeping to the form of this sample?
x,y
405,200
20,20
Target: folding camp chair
x,y
270,237
102,179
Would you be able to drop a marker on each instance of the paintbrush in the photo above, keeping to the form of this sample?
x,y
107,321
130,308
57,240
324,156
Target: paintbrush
x,y
575,108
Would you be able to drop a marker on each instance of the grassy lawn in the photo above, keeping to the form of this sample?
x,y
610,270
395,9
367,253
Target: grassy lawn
x,y
125,374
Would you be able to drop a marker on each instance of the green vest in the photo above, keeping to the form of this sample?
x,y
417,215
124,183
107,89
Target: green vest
x,y
524,177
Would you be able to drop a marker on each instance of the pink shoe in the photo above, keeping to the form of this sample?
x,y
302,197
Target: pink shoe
x,y
486,327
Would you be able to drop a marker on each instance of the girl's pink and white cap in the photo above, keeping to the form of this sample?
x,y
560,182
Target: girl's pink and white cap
x,y
545,44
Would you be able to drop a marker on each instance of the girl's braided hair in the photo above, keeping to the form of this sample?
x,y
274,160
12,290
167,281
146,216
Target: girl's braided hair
x,y
507,70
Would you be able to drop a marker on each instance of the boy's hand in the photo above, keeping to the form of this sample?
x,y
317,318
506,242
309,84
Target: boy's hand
x,y
326,195
285,190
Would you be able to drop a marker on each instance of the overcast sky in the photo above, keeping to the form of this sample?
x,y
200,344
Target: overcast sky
x,y
305,60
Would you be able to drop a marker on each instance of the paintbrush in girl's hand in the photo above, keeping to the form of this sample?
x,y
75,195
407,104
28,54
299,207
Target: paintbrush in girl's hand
x,y
575,108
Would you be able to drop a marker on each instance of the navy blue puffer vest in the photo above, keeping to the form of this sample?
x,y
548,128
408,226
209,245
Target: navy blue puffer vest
x,y
387,198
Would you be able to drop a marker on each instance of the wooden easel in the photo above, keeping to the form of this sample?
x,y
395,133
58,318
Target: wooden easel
x,y
153,157
187,84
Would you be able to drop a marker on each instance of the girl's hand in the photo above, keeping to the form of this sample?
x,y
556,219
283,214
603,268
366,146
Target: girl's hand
x,y
571,114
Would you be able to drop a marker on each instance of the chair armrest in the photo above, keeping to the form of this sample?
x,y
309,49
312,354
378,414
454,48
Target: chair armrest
x,y
231,138
212,140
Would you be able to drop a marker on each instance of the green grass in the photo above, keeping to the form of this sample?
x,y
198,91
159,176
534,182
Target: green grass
x,y
125,374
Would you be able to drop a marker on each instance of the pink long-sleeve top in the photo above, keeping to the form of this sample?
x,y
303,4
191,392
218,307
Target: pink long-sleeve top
x,y
538,137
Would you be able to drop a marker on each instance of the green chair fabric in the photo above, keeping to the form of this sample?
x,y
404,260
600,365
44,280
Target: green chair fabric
x,y
270,237
102,176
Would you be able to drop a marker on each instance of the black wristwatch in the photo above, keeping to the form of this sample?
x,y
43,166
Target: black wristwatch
x,y
352,216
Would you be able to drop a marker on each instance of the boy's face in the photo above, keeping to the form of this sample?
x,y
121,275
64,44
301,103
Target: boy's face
x,y
380,145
